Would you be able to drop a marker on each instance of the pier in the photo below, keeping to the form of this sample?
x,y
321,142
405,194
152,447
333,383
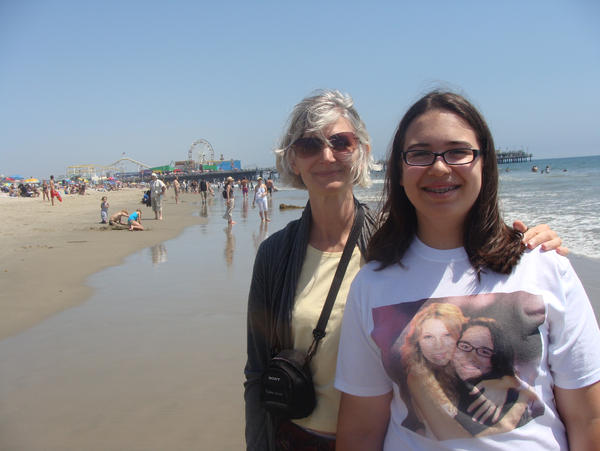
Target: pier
x,y
513,156
219,176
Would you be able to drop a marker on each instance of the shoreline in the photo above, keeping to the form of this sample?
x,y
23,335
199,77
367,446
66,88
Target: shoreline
x,y
47,253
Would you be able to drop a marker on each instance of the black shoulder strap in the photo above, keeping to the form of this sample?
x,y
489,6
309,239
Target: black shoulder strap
x,y
319,331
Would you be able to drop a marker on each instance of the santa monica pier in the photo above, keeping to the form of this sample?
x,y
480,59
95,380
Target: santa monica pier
x,y
200,164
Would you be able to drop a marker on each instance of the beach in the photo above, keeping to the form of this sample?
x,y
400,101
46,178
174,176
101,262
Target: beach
x,y
47,252
115,340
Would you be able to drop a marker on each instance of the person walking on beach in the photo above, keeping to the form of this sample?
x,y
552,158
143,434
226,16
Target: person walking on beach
x,y
244,184
135,221
270,187
176,188
45,191
53,191
230,201
104,210
204,189
260,199
325,150
157,189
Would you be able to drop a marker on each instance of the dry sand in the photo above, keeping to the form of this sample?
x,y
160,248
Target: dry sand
x,y
47,252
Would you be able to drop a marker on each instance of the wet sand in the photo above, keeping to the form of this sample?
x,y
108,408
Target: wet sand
x,y
47,252
153,358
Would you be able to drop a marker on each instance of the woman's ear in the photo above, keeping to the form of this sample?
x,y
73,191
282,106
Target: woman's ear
x,y
293,166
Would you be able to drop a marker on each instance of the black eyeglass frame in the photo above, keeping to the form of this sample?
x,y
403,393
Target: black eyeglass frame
x,y
434,155
468,347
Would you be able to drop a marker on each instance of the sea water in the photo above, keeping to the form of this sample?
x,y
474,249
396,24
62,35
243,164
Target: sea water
x,y
567,197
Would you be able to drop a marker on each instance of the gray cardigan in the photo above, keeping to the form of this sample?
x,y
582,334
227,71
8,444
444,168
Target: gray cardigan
x,y
276,271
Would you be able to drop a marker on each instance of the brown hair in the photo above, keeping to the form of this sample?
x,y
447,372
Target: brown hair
x,y
449,314
488,241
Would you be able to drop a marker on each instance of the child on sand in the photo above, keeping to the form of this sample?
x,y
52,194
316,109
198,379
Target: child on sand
x,y
103,210
135,220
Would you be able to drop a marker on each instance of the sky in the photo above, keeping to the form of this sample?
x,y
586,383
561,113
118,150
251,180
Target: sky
x,y
84,82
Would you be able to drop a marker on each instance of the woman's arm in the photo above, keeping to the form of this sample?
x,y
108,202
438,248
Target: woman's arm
x,y
580,412
433,406
362,422
541,234
258,331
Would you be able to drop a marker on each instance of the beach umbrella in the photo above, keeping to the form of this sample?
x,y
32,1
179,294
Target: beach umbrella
x,y
17,177
32,180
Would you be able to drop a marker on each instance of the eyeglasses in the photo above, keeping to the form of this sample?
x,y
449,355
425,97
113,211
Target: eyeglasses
x,y
452,157
343,142
468,347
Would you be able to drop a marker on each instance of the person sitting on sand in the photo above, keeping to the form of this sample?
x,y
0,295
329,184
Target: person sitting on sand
x,y
135,220
116,218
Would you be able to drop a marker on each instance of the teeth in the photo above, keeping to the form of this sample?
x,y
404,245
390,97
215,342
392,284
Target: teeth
x,y
440,190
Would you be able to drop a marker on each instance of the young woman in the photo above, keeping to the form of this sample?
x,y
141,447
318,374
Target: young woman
x,y
228,194
443,241
325,149
260,199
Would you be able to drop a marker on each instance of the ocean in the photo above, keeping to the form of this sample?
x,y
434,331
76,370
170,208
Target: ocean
x,y
567,198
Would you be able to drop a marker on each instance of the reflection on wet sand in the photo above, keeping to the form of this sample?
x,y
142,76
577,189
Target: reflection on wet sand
x,y
263,233
244,212
229,245
159,253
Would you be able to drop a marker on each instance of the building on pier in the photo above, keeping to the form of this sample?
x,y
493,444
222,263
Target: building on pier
x,y
513,156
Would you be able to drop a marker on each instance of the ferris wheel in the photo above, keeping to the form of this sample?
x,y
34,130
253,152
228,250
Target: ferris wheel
x,y
202,149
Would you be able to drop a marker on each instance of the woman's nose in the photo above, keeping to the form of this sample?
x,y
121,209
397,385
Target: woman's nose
x,y
439,166
327,153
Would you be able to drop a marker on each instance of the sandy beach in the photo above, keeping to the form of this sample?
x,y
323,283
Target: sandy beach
x,y
118,340
46,252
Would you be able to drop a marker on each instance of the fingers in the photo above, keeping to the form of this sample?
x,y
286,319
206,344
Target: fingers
x,y
485,411
477,403
544,236
520,226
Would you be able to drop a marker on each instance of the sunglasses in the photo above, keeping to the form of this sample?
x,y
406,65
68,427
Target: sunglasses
x,y
343,142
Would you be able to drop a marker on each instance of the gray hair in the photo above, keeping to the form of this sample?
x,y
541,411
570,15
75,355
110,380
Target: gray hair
x,y
312,115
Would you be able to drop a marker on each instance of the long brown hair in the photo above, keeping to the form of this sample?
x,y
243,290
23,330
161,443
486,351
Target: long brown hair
x,y
488,241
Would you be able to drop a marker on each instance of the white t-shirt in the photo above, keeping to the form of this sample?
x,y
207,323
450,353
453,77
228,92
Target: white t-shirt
x,y
545,334
156,187
260,197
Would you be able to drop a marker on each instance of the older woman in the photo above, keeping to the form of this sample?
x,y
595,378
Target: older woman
x,y
325,150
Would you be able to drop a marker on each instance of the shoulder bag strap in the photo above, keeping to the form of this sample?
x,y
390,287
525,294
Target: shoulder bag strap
x,y
319,331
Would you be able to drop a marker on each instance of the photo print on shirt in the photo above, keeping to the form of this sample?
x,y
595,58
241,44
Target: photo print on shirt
x,y
465,364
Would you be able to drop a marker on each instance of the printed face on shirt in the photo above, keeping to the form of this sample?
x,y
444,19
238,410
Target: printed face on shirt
x,y
471,364
438,350
436,343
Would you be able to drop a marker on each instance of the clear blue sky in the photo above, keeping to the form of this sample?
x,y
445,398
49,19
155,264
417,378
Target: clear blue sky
x,y
81,82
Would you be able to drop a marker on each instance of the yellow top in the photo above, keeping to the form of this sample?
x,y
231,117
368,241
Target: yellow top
x,y
314,284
